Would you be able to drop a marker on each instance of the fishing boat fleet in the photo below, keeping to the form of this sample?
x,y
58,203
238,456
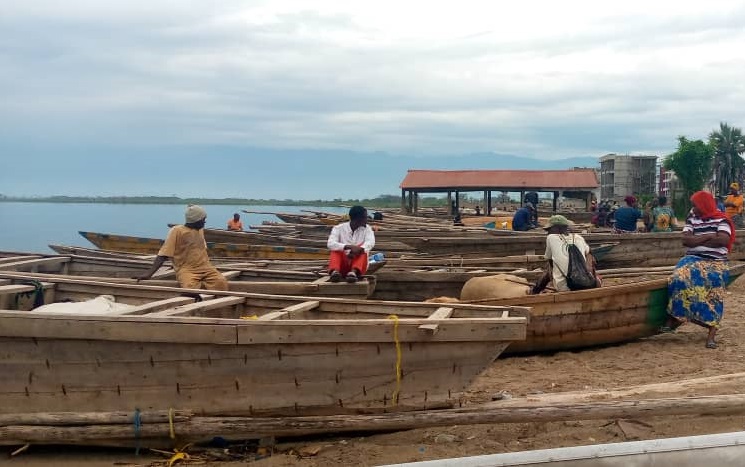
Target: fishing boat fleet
x,y
81,335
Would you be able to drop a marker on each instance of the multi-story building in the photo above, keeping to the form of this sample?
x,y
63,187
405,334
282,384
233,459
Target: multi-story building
x,y
622,175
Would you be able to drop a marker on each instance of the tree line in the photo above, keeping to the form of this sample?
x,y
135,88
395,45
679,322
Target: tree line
x,y
712,164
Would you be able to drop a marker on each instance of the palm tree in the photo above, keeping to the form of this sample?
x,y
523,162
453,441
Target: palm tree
x,y
728,143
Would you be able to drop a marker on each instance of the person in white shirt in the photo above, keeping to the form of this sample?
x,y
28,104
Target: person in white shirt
x,y
350,243
558,257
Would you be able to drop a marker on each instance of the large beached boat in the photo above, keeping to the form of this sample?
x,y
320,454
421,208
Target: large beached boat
x,y
229,353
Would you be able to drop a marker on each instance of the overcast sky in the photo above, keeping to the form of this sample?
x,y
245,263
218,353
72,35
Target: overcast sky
x,y
544,79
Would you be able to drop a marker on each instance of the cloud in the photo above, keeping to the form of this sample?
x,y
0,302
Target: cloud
x,y
543,79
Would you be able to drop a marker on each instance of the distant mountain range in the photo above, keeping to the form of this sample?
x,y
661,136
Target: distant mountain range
x,y
237,172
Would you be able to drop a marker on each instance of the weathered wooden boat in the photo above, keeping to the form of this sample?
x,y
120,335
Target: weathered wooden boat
x,y
241,277
516,261
298,356
607,315
227,236
632,250
143,245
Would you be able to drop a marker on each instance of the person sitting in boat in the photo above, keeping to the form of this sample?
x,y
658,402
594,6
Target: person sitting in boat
x,y
557,255
532,198
235,223
625,217
350,243
522,221
663,216
186,246
697,286
733,204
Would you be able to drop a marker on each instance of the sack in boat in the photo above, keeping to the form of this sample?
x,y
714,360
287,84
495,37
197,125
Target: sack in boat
x,y
578,275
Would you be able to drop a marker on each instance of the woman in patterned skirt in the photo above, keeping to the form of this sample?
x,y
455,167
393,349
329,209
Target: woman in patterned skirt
x,y
696,288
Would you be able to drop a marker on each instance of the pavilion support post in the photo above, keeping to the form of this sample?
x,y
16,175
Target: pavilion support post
x,y
556,199
457,202
403,201
522,199
416,202
450,204
488,204
411,202
484,206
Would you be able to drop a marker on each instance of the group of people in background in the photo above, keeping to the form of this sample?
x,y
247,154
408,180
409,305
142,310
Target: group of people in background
x,y
657,215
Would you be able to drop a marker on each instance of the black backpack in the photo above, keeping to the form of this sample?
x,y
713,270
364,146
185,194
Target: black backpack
x,y
578,276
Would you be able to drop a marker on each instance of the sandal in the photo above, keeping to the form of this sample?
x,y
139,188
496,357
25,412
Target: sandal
x,y
335,276
351,278
711,345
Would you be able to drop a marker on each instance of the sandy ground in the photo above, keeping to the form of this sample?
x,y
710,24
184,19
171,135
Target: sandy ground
x,y
669,357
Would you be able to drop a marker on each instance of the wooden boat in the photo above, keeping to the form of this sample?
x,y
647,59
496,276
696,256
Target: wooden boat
x,y
516,261
632,250
227,236
142,245
299,356
607,315
242,277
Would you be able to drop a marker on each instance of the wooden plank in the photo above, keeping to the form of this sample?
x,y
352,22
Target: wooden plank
x,y
155,307
14,289
287,311
188,310
273,315
117,328
322,280
13,259
33,264
203,429
231,274
301,307
443,312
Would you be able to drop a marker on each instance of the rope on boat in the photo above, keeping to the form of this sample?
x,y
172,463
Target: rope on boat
x,y
170,423
398,358
138,426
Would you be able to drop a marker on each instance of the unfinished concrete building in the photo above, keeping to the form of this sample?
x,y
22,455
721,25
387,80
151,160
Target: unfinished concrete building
x,y
622,175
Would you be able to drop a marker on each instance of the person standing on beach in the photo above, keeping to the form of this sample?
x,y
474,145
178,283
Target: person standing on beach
x,y
235,223
733,204
186,246
697,285
349,244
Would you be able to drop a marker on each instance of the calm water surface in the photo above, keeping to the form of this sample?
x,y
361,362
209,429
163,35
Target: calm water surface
x,y
32,226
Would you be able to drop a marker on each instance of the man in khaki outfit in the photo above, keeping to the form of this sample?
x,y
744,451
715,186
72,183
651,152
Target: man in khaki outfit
x,y
186,246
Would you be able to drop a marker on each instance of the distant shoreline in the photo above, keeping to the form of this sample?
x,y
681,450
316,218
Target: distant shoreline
x,y
386,201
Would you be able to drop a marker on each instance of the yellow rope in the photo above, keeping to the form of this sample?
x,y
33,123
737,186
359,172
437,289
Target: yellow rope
x,y
398,358
170,423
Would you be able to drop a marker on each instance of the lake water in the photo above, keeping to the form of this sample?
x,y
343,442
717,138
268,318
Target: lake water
x,y
31,227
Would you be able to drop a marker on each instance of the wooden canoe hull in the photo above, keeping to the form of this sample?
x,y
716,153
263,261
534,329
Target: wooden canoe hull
x,y
240,238
632,250
608,315
240,278
149,246
334,356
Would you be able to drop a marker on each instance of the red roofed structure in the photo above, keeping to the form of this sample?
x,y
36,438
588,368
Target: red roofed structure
x,y
583,181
